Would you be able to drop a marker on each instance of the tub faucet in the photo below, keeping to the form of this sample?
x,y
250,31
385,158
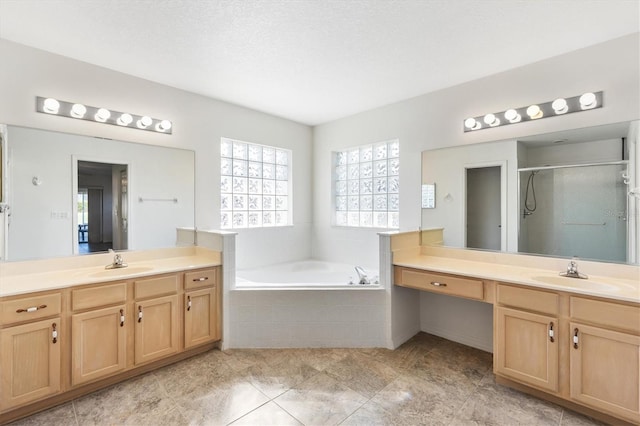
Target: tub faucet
x,y
572,270
118,262
362,275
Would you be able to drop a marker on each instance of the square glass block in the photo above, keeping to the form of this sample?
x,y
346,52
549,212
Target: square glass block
x,y
380,202
353,219
341,173
268,155
268,187
341,158
354,187
394,149
255,202
225,220
226,148
394,202
225,183
393,184
366,170
394,220
354,171
239,202
282,187
366,203
380,151
380,168
379,185
341,187
282,157
341,203
268,202
366,153
366,219
268,218
353,156
341,218
282,218
380,219
268,171
366,186
225,201
239,167
239,185
226,166
239,219
255,153
394,167
282,202
240,151
255,219
282,172
255,170
255,186
353,203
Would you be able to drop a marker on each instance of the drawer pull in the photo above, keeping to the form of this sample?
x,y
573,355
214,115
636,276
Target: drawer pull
x,y
200,279
188,303
121,318
438,284
139,313
54,333
31,309
575,338
551,334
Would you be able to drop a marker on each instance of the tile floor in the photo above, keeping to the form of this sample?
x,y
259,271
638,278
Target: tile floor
x,y
427,381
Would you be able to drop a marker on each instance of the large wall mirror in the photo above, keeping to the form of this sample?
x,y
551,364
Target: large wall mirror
x,y
564,194
68,194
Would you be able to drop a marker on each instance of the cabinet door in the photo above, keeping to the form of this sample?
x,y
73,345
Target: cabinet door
x,y
98,344
605,370
156,334
201,317
526,350
29,362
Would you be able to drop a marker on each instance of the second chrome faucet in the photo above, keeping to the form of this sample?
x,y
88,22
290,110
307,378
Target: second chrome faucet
x,y
118,262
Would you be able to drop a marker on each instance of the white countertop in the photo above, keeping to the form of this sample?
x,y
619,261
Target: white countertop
x,y
627,290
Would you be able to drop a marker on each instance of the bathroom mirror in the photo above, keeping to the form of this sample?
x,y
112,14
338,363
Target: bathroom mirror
x,y
70,194
559,194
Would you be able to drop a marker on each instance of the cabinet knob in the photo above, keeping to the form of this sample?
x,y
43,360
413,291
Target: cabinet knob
x,y
188,303
31,309
54,333
121,318
575,338
139,313
551,333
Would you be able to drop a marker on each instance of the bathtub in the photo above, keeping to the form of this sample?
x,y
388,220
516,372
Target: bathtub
x,y
305,275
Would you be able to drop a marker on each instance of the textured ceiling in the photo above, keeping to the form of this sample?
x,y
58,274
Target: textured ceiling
x,y
314,61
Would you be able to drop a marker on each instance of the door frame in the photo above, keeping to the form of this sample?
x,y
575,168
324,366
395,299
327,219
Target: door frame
x,y
502,164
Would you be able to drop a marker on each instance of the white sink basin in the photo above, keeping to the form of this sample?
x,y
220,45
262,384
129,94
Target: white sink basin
x,y
117,272
586,284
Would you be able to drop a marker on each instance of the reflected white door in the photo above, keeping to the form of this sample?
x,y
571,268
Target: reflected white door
x,y
483,214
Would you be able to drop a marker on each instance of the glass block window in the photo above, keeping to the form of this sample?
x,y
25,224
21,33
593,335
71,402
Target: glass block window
x,y
366,185
255,185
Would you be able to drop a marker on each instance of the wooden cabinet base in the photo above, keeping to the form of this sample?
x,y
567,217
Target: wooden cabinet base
x,y
44,404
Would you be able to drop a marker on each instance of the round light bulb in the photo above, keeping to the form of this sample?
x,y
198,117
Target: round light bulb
x,y
588,101
534,112
144,122
512,115
470,123
165,124
560,106
102,115
125,119
489,119
78,110
51,106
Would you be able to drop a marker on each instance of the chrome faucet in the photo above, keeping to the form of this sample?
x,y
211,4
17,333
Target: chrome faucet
x,y
572,270
362,275
118,262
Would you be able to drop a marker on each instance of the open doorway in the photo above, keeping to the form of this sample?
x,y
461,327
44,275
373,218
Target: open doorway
x,y
101,212
485,208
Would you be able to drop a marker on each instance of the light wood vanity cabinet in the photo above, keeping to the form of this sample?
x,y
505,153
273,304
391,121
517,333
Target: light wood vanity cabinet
x,y
30,349
201,307
447,284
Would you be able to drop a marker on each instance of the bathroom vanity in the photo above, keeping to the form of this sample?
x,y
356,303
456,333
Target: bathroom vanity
x,y
66,331
571,341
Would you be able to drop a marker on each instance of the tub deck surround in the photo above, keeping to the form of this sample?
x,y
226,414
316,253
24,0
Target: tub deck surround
x,y
52,274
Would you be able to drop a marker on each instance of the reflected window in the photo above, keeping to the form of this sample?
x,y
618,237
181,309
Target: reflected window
x,y
255,185
366,186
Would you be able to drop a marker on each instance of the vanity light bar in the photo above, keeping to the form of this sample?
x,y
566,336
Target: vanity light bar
x,y
560,106
102,115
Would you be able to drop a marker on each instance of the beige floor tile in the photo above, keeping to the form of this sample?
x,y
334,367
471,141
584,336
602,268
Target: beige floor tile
x,y
275,379
269,414
62,415
570,418
362,373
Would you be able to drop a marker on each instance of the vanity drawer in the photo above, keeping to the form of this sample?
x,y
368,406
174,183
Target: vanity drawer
x,y
529,299
93,297
616,315
440,283
201,278
158,286
31,308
